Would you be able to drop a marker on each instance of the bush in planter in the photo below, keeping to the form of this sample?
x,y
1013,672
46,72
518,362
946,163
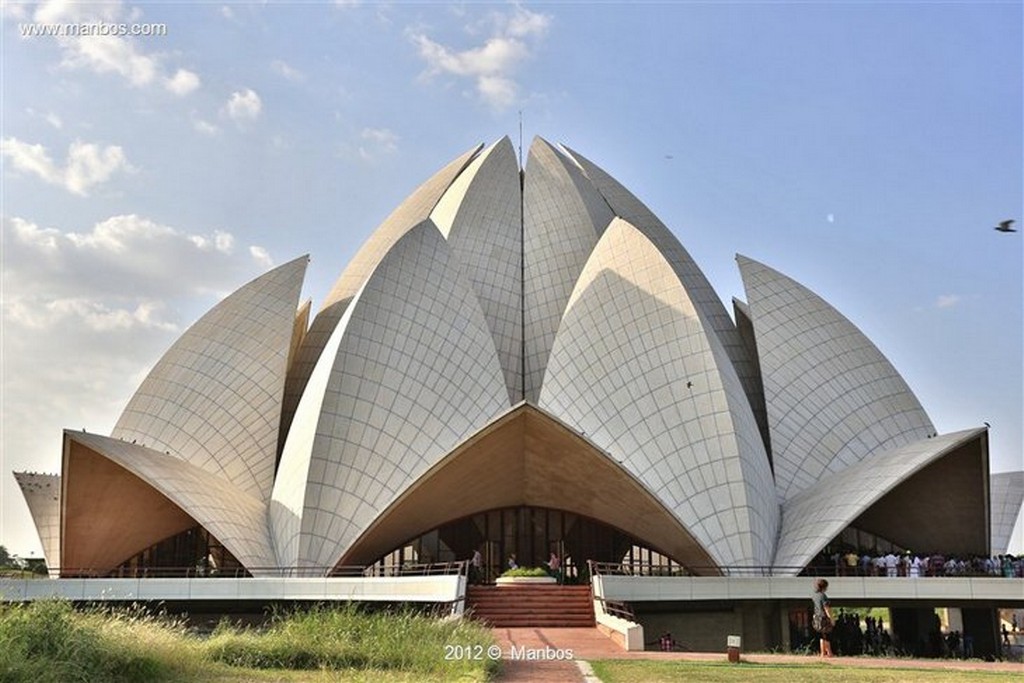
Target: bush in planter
x,y
526,571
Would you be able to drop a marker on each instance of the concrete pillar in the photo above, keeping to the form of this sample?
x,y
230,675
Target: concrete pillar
x,y
758,622
917,631
786,642
982,625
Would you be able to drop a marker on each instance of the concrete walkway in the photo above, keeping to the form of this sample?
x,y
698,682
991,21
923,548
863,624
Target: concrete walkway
x,y
542,655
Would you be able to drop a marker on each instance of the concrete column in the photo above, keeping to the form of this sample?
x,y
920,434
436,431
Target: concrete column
x,y
983,626
917,631
786,642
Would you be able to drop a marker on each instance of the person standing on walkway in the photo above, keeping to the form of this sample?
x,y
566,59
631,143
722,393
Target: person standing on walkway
x,y
555,566
476,574
822,620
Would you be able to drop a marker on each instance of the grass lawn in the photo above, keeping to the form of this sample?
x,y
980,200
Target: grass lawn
x,y
612,671
230,674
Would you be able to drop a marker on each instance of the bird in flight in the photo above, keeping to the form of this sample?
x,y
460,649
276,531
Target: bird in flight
x,y
1006,226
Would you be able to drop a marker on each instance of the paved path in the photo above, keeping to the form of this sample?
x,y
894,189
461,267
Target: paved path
x,y
548,645
559,648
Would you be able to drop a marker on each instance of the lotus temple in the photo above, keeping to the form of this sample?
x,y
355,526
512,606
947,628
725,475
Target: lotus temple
x,y
519,361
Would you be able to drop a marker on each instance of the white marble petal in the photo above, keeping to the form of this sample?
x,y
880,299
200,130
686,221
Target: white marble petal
x,y
1007,497
42,495
414,373
481,217
635,368
832,397
813,518
235,517
214,399
563,217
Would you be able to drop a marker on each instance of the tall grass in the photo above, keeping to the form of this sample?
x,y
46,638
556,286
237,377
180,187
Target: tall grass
x,y
347,637
48,641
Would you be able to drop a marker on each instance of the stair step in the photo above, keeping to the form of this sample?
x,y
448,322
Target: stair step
x,y
533,605
538,621
512,609
532,600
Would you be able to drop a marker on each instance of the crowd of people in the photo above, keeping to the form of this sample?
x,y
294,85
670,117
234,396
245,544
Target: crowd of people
x,y
850,638
892,564
842,634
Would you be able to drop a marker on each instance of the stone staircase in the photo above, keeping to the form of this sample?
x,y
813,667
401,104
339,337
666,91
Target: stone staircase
x,y
548,605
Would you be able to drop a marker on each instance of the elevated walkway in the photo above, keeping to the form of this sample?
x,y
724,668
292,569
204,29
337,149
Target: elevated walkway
x,y
439,589
866,591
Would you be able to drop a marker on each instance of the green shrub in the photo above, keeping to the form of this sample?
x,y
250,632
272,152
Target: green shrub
x,y
527,571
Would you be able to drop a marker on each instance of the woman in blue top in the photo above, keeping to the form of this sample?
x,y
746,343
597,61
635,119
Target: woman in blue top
x,y
822,621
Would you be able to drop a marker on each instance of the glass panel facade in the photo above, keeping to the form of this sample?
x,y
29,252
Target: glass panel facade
x,y
193,552
532,534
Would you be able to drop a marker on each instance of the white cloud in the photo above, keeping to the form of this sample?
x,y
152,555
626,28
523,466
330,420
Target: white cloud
x,y
227,12
104,54
948,300
498,90
493,64
524,23
51,118
182,83
377,142
244,105
287,72
32,235
384,137
221,241
87,311
203,126
30,159
123,258
87,164
15,9
116,234
261,256
93,315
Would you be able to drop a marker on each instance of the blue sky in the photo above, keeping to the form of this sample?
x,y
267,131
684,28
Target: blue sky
x,y
864,149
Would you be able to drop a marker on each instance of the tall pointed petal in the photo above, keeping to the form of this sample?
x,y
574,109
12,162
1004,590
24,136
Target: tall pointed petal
x,y
42,495
414,373
832,397
416,208
481,217
707,303
214,399
1007,499
635,368
563,217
